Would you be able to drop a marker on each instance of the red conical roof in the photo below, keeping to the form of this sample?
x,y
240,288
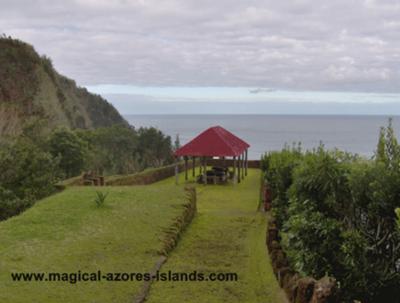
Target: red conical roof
x,y
214,142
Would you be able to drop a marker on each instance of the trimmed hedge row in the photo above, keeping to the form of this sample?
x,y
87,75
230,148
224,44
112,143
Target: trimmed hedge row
x,y
145,177
153,175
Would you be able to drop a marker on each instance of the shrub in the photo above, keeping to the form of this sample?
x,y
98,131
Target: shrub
x,y
278,170
27,171
337,214
10,204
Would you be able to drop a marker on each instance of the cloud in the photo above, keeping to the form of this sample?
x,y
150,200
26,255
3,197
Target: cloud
x,y
343,45
261,90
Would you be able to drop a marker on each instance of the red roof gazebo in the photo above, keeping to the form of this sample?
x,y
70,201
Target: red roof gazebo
x,y
216,142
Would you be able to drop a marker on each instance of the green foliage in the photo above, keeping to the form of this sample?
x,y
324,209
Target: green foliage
x,y
388,150
30,88
337,216
320,179
27,173
48,67
10,204
111,149
100,198
278,168
34,99
123,150
381,148
147,176
27,170
70,149
313,242
32,164
154,148
18,77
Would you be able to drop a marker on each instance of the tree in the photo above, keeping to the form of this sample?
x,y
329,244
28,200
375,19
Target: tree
x,y
66,145
381,148
388,150
111,150
154,148
27,173
177,143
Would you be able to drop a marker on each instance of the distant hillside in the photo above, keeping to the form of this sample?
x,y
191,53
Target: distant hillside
x,y
31,89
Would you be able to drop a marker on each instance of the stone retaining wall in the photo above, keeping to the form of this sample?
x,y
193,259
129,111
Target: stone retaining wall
x,y
172,235
298,289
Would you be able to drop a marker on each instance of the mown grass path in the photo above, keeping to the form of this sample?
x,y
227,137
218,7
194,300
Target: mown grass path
x,y
227,235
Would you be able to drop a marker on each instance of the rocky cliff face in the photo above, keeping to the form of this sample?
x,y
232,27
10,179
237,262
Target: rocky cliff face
x,y
31,89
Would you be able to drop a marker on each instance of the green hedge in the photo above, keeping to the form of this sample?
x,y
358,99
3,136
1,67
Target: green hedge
x,y
147,176
337,216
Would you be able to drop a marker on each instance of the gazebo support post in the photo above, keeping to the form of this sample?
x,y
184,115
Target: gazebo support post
x,y
247,162
204,170
238,168
186,168
176,172
234,170
194,167
243,165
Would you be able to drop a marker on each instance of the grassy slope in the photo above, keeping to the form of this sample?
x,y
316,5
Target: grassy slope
x,y
67,232
228,235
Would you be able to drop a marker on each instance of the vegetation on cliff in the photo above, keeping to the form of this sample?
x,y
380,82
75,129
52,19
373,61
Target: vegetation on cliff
x,y
32,90
33,163
51,129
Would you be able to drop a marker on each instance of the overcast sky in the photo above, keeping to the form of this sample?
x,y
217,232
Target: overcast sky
x,y
195,50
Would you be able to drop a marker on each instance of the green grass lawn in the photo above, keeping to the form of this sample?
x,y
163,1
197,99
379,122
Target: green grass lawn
x,y
67,232
227,235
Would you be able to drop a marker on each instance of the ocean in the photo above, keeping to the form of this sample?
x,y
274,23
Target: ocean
x,y
356,134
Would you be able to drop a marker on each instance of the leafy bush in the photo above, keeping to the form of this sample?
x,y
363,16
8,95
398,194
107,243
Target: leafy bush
x,y
27,174
337,216
10,204
278,169
28,171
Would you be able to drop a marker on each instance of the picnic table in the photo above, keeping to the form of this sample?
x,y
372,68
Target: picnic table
x,y
217,175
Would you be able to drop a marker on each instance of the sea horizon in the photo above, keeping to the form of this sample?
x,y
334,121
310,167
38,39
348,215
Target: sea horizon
x,y
256,114
271,132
